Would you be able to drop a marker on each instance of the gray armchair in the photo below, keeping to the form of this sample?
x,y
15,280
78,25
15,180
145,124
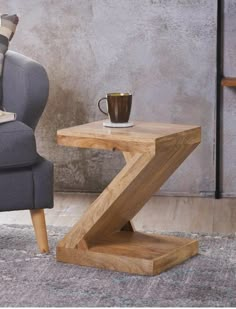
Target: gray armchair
x,y
26,179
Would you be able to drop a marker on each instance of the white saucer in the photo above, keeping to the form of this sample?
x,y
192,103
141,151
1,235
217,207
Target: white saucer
x,y
118,125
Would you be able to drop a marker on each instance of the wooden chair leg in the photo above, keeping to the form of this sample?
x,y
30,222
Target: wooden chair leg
x,y
38,220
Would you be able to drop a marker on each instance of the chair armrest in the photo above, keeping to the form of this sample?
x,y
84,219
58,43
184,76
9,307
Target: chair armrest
x,y
25,88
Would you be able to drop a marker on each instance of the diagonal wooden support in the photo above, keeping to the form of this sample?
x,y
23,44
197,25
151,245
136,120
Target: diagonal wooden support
x,y
126,194
104,236
129,226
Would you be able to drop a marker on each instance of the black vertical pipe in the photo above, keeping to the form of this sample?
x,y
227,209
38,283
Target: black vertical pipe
x,y
219,75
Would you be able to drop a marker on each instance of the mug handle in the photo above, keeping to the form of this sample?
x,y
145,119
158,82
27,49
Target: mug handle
x,y
100,106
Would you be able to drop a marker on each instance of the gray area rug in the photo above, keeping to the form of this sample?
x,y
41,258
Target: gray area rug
x,y
32,279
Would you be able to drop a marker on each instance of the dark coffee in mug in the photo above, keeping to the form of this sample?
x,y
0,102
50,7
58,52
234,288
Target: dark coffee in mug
x,y
118,106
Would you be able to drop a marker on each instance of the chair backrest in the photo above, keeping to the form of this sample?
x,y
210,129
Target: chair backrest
x,y
25,88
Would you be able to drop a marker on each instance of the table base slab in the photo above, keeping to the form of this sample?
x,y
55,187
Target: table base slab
x,y
132,252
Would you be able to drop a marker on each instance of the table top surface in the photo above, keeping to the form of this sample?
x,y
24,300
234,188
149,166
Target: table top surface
x,y
141,137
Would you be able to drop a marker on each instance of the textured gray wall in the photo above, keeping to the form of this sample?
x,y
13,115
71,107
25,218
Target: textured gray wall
x,y
229,101
164,52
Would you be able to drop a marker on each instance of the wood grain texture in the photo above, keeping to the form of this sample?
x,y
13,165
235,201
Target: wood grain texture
x,y
152,152
130,252
38,220
143,137
228,82
129,226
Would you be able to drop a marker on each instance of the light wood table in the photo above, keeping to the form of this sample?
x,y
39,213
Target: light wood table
x,y
105,237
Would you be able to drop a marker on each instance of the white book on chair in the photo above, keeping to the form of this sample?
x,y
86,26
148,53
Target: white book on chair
x,y
6,116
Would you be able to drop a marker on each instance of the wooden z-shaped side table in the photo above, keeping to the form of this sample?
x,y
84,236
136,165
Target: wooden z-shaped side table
x,y
104,237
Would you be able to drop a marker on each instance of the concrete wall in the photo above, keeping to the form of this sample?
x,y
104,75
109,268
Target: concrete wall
x,y
229,101
164,52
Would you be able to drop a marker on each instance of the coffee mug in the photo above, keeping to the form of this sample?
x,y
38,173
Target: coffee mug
x,y
118,106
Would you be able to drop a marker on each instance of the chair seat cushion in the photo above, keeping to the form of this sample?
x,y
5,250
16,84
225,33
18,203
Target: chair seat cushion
x,y
17,145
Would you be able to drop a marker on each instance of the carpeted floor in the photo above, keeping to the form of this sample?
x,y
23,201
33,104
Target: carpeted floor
x,y
31,279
